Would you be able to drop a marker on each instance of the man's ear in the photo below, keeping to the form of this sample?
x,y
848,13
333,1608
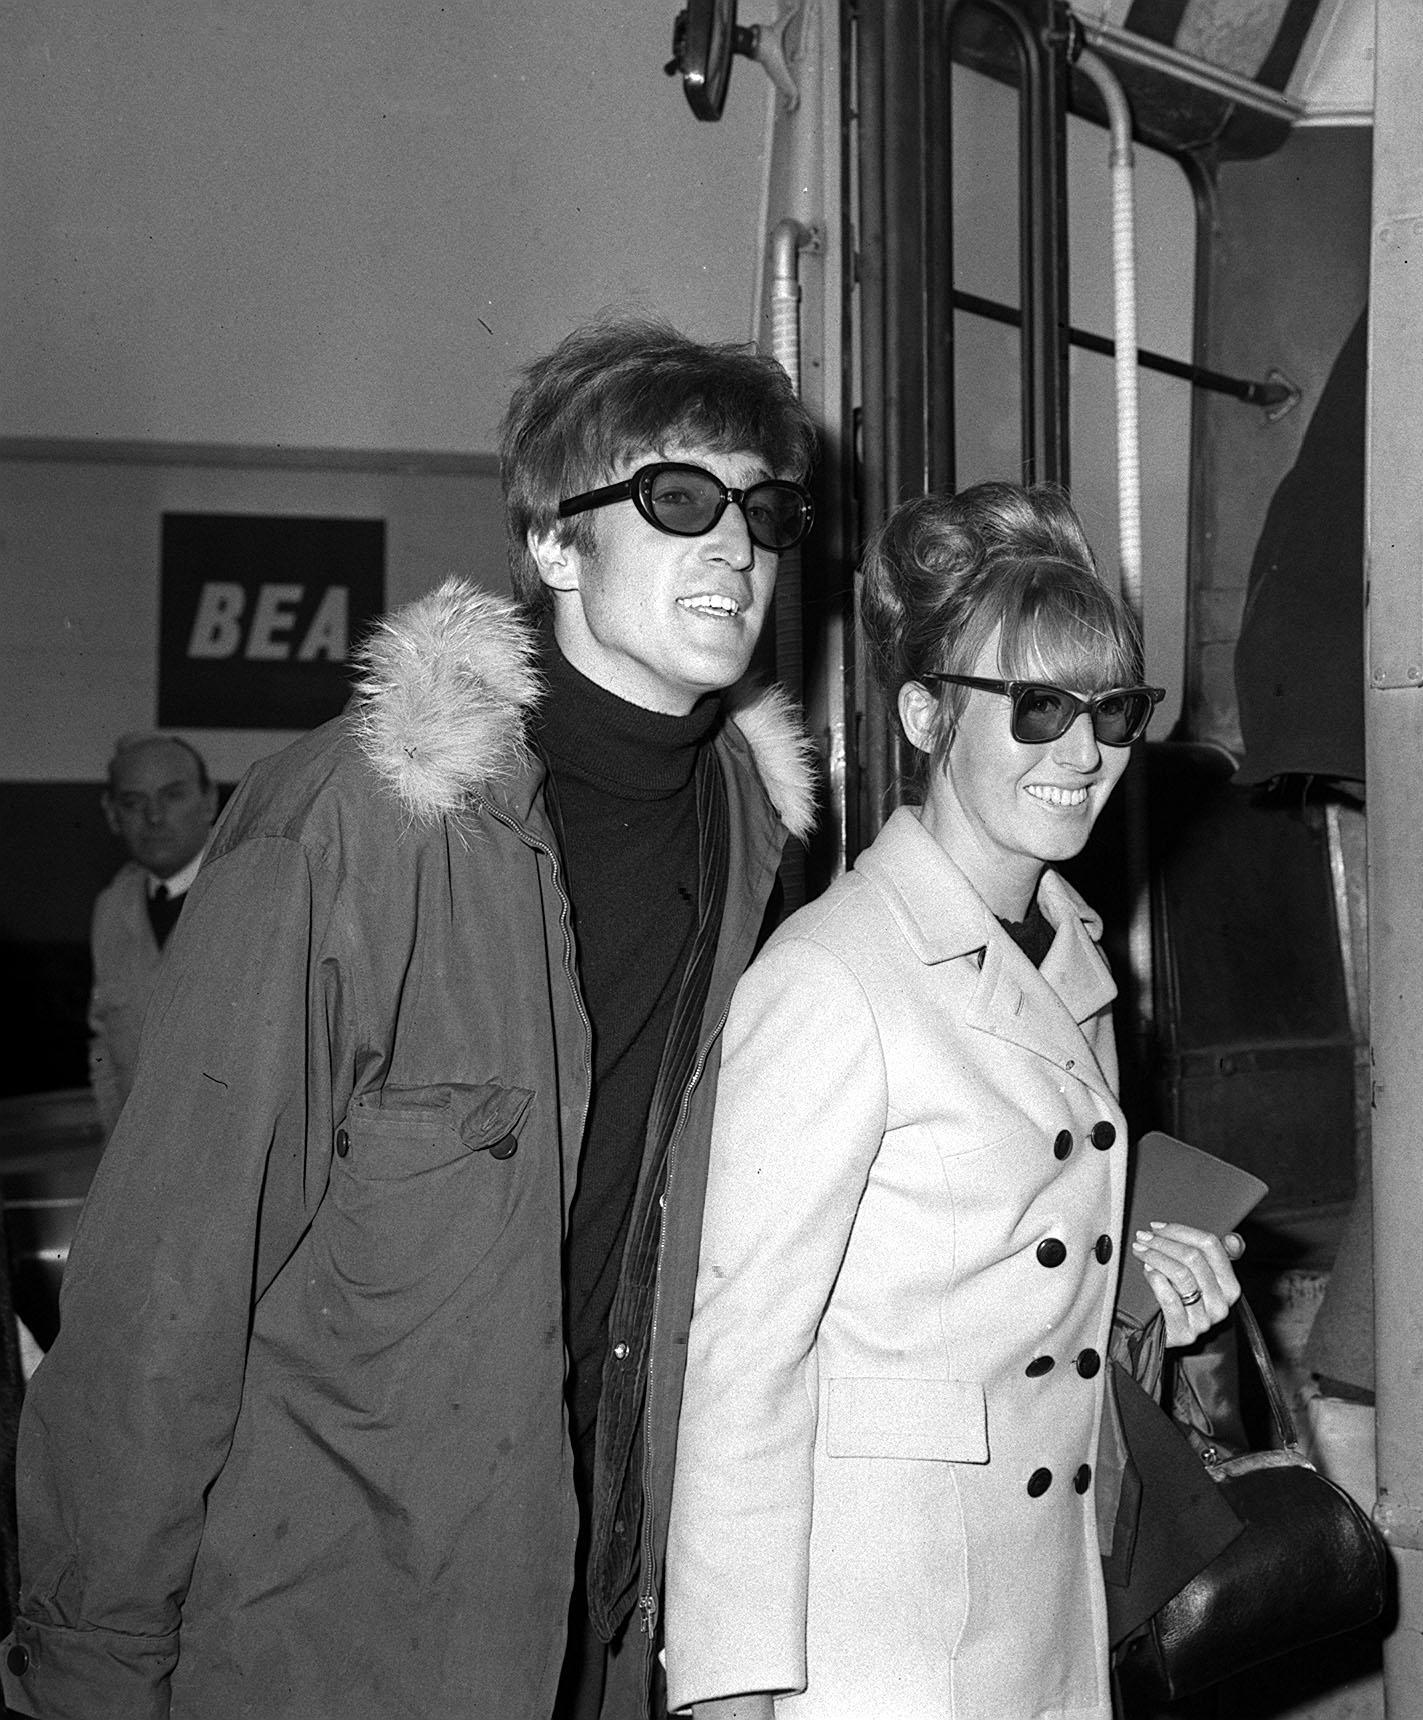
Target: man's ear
x,y
918,708
560,565
106,800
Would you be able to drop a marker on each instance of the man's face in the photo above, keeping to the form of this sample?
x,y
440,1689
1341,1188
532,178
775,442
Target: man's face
x,y
661,620
154,802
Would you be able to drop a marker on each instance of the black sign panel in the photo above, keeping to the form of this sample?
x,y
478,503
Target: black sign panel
x,y
259,615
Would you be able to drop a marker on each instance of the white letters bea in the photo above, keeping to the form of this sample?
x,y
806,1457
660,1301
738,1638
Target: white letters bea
x,y
218,630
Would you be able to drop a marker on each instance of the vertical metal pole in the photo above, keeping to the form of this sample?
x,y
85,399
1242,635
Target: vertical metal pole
x,y
1039,33
893,441
1042,169
906,269
1393,717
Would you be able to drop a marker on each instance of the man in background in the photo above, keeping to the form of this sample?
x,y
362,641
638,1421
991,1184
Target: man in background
x,y
161,804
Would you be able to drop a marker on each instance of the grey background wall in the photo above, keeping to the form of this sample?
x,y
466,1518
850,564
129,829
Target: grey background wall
x,y
344,223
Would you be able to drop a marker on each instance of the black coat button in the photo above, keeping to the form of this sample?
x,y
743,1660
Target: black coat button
x,y
18,1659
1062,1146
1088,1363
1051,1252
1083,1478
343,1143
505,1147
1103,1250
1039,1482
1104,1135
1039,1366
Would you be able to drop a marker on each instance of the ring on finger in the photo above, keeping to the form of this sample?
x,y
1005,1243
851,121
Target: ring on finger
x,y
1191,1300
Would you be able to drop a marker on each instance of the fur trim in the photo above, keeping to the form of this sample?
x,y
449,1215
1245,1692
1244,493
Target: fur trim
x,y
446,686
784,753
448,683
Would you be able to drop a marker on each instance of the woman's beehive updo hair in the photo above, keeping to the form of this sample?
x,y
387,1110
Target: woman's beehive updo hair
x,y
944,571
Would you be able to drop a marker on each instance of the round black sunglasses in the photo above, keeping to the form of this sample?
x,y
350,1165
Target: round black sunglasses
x,y
687,501
1043,713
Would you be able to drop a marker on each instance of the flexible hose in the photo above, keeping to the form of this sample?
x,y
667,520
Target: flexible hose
x,y
1125,331
1138,861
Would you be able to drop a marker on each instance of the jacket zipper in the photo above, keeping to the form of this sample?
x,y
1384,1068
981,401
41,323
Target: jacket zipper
x,y
647,1602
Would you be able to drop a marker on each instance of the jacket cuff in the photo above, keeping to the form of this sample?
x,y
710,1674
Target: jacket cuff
x,y
62,1674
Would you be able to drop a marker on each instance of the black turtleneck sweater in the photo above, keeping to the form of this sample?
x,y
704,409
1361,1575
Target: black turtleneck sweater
x,y
1032,934
625,800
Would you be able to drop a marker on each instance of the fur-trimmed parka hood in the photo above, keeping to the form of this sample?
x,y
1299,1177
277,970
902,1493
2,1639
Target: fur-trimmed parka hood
x,y
447,685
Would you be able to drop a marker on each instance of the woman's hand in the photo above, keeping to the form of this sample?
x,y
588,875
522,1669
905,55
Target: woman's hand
x,y
1191,1275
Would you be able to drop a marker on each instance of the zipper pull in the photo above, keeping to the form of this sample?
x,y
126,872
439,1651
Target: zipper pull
x,y
647,1606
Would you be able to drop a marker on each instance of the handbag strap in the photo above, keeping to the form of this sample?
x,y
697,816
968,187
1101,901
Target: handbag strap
x,y
1279,1409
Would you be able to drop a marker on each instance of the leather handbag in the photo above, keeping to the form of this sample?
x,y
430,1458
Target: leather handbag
x,y
1308,1565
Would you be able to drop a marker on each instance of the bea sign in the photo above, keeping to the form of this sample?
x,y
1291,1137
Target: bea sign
x,y
259,616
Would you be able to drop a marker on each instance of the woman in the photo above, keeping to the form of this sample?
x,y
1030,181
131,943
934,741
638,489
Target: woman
x,y
885,1498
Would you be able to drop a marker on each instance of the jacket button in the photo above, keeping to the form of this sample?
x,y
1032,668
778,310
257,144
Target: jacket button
x,y
343,1143
1062,1146
1039,1482
620,1350
1051,1252
1039,1366
1103,1250
18,1659
1083,1478
1088,1363
1104,1135
505,1147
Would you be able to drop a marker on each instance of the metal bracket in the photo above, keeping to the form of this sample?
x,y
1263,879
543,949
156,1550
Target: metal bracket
x,y
769,51
1278,409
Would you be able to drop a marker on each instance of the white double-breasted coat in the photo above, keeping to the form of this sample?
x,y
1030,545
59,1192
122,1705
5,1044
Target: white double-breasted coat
x,y
883,1504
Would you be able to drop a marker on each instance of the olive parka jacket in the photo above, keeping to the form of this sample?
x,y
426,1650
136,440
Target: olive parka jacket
x,y
299,1449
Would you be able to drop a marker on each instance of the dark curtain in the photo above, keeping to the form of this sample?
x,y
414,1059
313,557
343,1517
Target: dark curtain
x,y
1299,664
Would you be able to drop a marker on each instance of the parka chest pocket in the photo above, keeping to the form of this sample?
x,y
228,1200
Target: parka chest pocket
x,y
405,1131
424,1182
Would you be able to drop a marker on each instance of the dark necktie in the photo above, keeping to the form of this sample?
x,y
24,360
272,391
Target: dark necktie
x,y
163,912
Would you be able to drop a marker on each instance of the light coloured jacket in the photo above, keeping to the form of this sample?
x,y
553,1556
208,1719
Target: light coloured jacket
x,y
884,1494
126,960
299,1450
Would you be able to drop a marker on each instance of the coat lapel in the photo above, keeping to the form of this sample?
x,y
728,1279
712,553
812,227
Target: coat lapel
x,y
1043,1011
1013,1001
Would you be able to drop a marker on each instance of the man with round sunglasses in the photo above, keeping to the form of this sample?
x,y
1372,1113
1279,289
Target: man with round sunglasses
x,y
382,1287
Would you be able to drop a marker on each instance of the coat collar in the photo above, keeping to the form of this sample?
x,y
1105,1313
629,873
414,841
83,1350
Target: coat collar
x,y
447,686
943,916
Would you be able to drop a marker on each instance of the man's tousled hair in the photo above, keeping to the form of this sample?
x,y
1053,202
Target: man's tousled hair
x,y
621,389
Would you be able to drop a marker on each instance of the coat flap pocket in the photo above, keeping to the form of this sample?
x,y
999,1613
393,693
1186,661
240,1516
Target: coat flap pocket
x,y
450,1118
880,1416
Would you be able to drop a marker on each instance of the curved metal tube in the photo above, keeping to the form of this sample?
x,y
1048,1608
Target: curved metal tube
x,y
1124,305
1138,854
788,239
